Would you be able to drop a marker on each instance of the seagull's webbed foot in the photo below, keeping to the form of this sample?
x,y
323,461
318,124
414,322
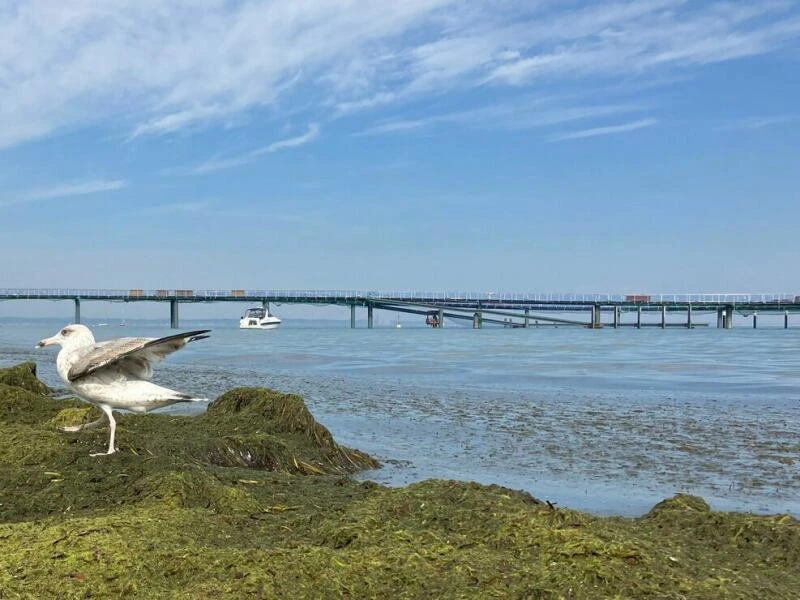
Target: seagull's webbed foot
x,y
111,451
92,425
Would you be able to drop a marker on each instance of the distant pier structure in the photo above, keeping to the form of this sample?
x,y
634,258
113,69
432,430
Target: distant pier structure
x,y
503,309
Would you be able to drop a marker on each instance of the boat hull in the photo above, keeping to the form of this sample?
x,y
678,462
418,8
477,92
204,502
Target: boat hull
x,y
259,326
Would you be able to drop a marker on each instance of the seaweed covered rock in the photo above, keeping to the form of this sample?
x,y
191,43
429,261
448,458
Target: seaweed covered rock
x,y
74,415
186,510
194,487
18,405
270,410
775,539
266,429
679,504
23,376
246,427
181,461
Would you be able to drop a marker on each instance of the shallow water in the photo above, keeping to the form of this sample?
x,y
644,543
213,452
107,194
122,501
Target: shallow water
x,y
608,421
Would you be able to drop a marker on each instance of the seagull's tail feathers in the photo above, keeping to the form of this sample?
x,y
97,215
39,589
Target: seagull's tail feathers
x,y
187,398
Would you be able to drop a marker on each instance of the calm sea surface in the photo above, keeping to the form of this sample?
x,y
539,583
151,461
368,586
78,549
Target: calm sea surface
x,y
608,421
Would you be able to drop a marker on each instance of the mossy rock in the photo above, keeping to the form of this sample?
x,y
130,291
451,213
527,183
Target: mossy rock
x,y
18,405
75,415
189,509
262,428
166,458
679,504
193,487
268,410
23,376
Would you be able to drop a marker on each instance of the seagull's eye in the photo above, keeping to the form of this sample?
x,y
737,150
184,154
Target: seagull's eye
x,y
64,332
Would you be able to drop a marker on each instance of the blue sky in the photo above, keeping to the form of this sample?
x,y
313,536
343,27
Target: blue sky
x,y
538,146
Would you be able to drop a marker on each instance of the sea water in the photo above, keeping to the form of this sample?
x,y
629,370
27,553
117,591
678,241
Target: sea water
x,y
607,421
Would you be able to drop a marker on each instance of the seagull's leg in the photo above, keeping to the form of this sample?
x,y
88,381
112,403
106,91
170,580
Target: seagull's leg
x,y
113,424
73,428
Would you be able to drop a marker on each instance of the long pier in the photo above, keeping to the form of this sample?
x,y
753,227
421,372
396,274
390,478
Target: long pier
x,y
506,309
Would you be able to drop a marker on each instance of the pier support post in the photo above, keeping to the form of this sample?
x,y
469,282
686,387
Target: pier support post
x,y
786,319
352,316
616,317
527,317
755,320
441,317
663,316
689,316
265,305
369,315
729,317
173,314
595,324
77,310
639,317
477,321
720,317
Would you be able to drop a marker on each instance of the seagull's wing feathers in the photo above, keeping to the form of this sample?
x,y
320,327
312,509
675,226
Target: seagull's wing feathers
x,y
100,355
133,355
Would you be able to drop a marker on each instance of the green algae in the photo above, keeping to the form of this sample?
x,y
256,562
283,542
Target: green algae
x,y
23,376
221,506
178,460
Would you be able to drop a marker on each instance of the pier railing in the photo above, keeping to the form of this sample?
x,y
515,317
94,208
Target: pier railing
x,y
461,305
200,295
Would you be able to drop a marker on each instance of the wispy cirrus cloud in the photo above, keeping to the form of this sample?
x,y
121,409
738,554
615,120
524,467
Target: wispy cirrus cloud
x,y
221,163
395,126
523,113
762,122
292,142
379,99
64,190
147,68
605,130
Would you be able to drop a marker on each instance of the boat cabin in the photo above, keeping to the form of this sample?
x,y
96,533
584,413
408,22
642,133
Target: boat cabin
x,y
255,313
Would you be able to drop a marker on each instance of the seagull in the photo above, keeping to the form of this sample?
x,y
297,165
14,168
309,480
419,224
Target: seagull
x,y
116,373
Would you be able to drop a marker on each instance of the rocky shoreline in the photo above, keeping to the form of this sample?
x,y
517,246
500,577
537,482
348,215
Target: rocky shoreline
x,y
253,499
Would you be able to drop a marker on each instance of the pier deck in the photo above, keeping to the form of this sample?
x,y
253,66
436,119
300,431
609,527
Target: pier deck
x,y
515,309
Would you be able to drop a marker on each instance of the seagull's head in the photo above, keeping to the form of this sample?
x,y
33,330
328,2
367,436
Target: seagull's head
x,y
72,335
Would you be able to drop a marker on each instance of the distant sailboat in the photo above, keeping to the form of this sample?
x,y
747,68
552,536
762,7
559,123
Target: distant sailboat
x,y
398,325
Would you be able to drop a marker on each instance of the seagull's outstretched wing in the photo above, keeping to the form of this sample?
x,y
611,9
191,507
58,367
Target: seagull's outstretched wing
x,y
133,355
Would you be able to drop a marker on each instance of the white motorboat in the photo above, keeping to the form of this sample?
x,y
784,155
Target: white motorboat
x,y
258,318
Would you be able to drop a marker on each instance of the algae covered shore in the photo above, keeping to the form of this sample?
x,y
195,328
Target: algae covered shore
x,y
253,499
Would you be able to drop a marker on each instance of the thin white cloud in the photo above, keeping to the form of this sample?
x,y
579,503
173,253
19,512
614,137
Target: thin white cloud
x,y
525,113
64,190
380,99
763,122
177,120
212,165
222,163
396,126
148,67
293,142
607,130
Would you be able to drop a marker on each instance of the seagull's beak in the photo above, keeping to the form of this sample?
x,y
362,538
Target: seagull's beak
x,y
46,342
